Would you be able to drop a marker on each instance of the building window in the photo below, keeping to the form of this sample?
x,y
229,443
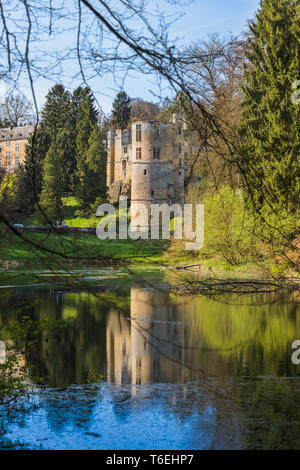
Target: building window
x,y
17,160
124,167
156,153
139,153
179,148
152,193
125,150
145,172
7,155
138,129
8,144
180,130
17,147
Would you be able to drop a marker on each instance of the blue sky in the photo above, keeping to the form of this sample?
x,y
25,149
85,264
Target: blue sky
x,y
201,18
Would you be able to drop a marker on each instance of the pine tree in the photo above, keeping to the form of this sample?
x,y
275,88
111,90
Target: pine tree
x,y
57,111
51,194
93,182
121,110
59,122
87,118
35,153
270,155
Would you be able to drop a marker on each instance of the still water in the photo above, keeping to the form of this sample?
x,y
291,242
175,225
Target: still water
x,y
178,372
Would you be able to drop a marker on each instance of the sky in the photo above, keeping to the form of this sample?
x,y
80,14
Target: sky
x,y
201,18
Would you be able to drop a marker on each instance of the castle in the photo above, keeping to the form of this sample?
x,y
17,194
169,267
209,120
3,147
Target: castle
x,y
146,163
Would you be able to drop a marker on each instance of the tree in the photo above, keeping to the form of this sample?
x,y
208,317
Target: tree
x,y
121,110
141,109
93,182
57,111
35,153
270,154
87,118
16,111
51,194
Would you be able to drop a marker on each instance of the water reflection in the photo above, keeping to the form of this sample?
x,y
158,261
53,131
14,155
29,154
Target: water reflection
x,y
137,336
179,372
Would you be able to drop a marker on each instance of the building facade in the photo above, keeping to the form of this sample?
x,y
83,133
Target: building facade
x,y
146,163
13,141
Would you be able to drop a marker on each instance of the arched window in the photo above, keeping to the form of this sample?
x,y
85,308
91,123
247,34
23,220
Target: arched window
x,y
124,164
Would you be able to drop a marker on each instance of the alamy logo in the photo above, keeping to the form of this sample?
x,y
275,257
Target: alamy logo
x,y
296,94
296,354
154,222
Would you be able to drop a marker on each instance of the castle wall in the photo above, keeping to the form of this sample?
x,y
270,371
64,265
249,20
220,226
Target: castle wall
x,y
147,155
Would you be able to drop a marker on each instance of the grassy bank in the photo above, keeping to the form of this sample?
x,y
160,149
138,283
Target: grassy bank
x,y
83,247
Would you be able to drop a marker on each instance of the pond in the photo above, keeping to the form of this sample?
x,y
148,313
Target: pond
x,y
177,372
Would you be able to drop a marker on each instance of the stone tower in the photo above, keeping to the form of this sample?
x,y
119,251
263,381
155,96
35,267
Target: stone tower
x,y
148,157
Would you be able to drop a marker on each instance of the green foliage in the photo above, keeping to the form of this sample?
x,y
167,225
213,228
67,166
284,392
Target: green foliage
x,y
270,155
90,154
51,194
7,205
121,110
17,337
230,230
35,153
92,184
57,112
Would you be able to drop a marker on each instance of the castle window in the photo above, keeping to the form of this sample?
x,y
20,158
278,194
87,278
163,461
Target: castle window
x,y
17,147
180,130
8,144
17,160
138,153
7,155
156,153
179,148
145,172
125,150
138,129
124,167
152,193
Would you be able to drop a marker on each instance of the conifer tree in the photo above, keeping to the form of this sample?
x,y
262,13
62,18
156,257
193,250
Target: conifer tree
x,y
121,110
51,194
35,153
57,111
87,118
59,122
93,181
270,155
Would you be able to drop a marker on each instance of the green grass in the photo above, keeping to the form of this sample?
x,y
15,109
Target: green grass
x,y
82,246
71,205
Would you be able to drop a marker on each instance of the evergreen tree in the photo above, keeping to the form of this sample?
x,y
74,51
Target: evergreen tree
x,y
121,110
59,122
270,157
57,111
21,196
93,182
51,194
35,153
87,118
